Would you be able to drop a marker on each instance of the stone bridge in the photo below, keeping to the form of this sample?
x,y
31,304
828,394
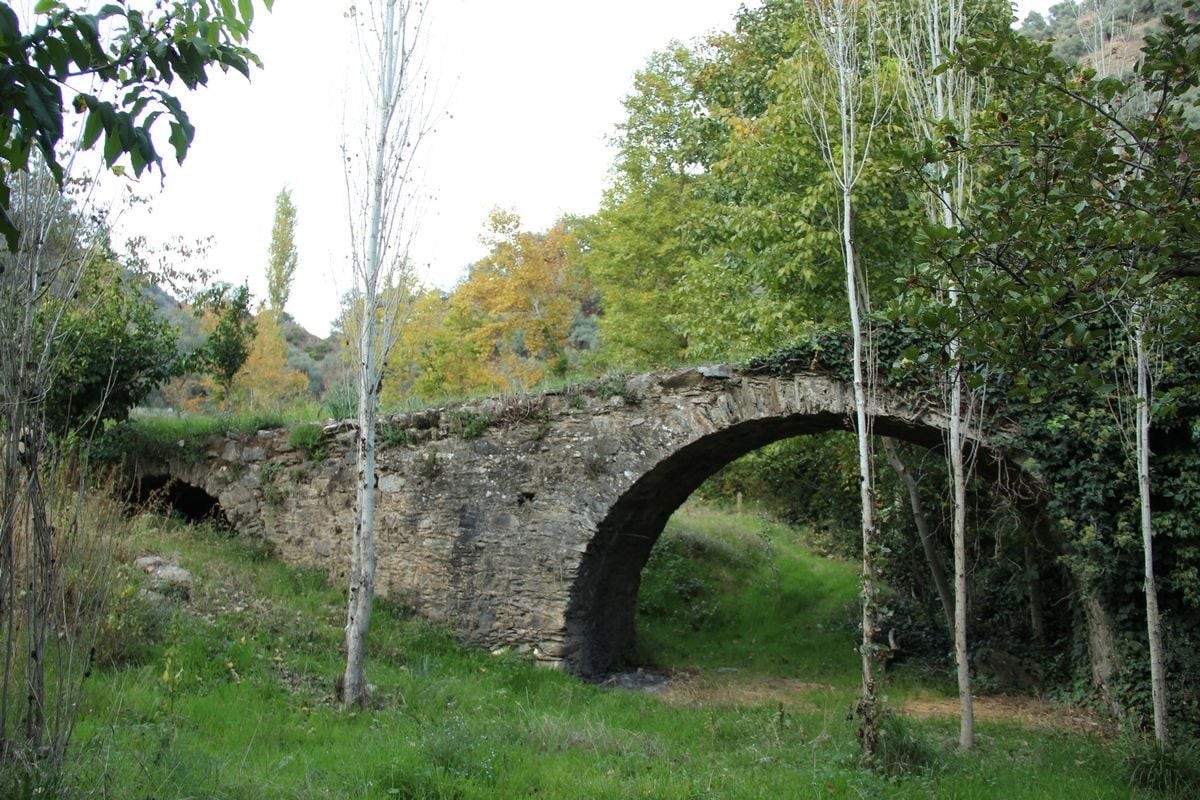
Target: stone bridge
x,y
525,521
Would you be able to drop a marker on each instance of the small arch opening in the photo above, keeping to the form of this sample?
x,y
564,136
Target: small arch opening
x,y
169,495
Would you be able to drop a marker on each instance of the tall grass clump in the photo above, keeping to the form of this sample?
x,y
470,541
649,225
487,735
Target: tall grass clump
x,y
1172,772
53,605
903,749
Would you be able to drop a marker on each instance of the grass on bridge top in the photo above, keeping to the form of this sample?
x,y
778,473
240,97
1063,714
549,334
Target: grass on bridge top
x,y
229,694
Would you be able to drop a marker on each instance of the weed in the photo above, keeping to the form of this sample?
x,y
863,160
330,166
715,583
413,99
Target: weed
x,y
273,495
392,435
270,470
135,623
341,402
310,438
617,386
470,425
902,750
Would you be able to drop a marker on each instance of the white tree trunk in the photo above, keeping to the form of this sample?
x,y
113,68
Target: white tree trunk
x,y
926,32
384,225
850,90
1158,678
966,732
868,704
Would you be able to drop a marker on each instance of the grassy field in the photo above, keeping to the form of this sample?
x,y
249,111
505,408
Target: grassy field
x,y
229,694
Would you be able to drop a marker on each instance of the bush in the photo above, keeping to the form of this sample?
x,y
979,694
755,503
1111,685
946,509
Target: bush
x,y
134,625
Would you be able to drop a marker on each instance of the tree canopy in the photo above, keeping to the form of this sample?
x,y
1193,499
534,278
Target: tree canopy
x,y
132,54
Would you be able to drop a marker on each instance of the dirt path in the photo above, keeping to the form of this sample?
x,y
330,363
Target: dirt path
x,y
1033,712
695,688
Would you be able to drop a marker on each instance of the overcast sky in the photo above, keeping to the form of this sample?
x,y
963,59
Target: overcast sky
x,y
532,90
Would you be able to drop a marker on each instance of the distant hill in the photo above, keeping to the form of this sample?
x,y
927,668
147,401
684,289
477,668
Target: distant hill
x,y
1100,32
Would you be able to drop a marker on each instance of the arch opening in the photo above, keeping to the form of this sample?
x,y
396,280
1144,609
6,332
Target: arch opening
x,y
168,494
601,614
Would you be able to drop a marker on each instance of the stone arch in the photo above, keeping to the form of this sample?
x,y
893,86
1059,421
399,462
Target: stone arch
x,y
602,605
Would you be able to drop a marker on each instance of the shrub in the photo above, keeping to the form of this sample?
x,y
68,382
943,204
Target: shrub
x,y
392,435
135,623
471,425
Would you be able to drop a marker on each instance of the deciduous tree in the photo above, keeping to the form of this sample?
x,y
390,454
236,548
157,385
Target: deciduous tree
x,y
137,54
265,381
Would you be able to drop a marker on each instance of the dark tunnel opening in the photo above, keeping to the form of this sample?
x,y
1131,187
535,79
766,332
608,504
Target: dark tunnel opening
x,y
168,495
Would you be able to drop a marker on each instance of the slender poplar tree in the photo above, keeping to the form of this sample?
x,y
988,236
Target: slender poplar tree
x,y
844,108
381,183
281,265
940,99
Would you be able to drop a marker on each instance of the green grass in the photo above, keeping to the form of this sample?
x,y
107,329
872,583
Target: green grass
x,y
233,697
732,591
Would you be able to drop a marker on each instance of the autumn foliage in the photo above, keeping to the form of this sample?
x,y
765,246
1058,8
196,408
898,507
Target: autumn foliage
x,y
508,326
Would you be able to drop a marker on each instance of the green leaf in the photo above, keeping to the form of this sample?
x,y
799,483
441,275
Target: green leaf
x,y
92,129
112,147
12,236
181,139
247,7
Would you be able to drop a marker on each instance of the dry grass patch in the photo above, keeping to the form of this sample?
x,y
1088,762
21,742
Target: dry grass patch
x,y
729,690
1030,712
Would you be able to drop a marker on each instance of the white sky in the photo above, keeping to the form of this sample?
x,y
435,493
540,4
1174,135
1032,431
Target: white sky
x,y
533,88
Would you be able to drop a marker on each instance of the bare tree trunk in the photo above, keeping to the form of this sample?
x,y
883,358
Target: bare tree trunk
x,y
933,558
1158,678
384,223
868,705
966,733
849,84
937,94
362,565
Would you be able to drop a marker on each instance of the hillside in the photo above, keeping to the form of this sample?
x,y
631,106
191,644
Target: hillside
x,y
1105,34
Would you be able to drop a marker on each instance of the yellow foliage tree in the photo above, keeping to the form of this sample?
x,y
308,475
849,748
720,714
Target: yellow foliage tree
x,y
436,357
506,327
266,382
521,301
